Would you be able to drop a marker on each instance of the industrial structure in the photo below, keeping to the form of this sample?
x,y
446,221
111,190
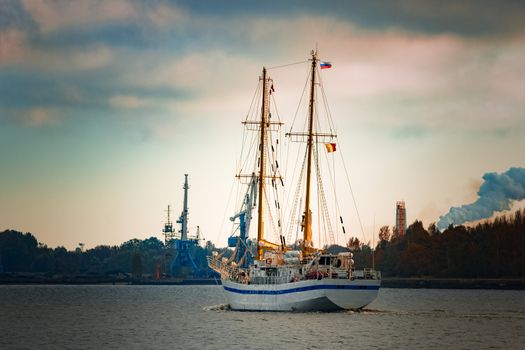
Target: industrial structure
x,y
401,219
242,254
181,242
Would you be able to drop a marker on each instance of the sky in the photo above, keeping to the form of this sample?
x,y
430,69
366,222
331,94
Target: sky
x,y
105,105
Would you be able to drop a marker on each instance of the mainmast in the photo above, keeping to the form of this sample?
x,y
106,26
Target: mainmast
x,y
307,223
262,165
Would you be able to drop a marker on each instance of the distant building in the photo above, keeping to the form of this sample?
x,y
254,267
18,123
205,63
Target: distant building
x,y
401,219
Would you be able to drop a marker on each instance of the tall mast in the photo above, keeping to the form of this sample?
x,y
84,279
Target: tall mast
x,y
307,224
262,166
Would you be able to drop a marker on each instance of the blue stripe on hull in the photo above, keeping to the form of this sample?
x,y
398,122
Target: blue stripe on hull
x,y
300,289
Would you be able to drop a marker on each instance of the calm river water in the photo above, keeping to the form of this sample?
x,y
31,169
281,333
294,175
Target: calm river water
x,y
193,317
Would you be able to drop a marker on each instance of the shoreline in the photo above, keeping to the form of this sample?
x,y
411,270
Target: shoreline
x,y
386,282
454,283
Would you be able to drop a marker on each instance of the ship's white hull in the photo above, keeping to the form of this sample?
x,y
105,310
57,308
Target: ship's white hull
x,y
308,295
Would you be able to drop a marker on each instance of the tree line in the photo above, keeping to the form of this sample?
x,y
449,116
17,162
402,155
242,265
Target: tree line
x,y
488,250
21,252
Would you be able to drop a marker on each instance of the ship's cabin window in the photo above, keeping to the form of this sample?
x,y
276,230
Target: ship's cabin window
x,y
330,260
325,260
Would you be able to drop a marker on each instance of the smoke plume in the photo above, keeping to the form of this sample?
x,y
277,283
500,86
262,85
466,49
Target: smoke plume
x,y
495,194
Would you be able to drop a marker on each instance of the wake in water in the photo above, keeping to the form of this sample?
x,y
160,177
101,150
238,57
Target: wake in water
x,y
375,312
226,307
219,307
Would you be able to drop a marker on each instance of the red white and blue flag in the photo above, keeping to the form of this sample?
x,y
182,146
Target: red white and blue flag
x,y
325,65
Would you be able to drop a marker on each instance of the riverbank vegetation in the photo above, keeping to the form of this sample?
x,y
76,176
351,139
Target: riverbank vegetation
x,y
493,249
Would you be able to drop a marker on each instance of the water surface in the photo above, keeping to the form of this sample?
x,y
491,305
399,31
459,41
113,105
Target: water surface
x,y
194,317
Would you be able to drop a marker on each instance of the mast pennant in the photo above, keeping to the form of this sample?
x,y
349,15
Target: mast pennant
x,y
325,65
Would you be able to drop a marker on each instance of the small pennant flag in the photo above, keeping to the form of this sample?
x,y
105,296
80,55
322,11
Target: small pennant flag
x,y
330,147
272,89
325,65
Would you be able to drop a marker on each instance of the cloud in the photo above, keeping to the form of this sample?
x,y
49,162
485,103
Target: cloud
x,y
388,76
90,58
53,15
81,59
41,116
166,16
18,49
12,46
205,71
126,102
469,17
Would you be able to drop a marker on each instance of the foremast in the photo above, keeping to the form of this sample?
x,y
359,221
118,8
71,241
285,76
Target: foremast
x,y
263,124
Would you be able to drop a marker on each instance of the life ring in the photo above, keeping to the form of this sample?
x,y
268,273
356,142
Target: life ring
x,y
268,261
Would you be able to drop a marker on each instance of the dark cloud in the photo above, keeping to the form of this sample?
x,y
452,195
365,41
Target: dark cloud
x,y
469,18
129,34
14,16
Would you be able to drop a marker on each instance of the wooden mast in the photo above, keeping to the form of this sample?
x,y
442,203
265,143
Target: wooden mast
x,y
262,166
307,223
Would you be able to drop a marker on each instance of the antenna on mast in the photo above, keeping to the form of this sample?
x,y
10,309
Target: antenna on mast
x,y
168,228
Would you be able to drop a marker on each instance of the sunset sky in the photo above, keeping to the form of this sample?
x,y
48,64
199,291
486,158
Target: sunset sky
x,y
105,105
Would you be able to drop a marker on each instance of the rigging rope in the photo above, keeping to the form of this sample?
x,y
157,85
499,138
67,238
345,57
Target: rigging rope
x,y
353,197
322,200
300,100
296,199
331,123
226,208
287,65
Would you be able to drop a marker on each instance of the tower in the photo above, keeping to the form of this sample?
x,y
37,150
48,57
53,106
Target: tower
x,y
401,218
181,241
168,232
183,219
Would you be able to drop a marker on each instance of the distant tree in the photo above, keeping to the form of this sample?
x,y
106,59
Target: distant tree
x,y
384,234
416,233
152,243
136,265
354,244
519,217
18,250
432,229
395,233
209,247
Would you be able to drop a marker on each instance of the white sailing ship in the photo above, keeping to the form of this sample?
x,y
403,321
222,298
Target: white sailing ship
x,y
281,277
